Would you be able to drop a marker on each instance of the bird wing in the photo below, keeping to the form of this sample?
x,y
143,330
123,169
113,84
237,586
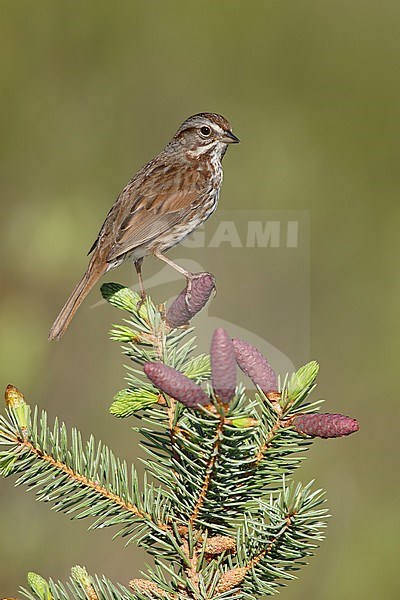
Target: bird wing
x,y
150,206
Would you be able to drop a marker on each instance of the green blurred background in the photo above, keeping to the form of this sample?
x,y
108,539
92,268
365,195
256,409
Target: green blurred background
x,y
92,90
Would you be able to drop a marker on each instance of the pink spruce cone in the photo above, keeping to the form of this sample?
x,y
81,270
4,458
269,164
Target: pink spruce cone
x,y
325,425
189,303
176,385
223,365
254,365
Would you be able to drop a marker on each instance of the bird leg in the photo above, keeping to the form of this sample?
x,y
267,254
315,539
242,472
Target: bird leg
x,y
138,266
189,276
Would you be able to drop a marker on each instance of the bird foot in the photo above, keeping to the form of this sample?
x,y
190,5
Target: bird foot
x,y
191,277
140,303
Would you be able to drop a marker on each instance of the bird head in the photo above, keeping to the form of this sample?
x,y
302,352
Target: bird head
x,y
205,133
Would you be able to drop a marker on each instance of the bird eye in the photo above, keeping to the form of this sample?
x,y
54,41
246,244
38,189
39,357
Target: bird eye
x,y
205,131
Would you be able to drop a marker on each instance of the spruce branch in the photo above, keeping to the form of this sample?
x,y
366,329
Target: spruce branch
x,y
80,480
210,466
80,586
217,509
148,337
280,534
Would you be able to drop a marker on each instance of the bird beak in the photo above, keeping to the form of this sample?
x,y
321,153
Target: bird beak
x,y
230,138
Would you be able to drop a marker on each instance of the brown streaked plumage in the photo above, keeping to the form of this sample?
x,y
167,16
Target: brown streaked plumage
x,y
165,201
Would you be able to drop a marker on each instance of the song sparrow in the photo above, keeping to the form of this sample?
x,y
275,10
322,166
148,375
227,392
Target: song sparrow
x,y
164,202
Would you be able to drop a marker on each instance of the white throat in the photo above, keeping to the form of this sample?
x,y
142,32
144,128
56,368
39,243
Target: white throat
x,y
220,149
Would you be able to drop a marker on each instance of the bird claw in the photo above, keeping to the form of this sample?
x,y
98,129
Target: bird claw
x,y
188,293
142,300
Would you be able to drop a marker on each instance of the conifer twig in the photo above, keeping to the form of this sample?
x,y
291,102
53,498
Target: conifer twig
x,y
209,469
268,441
82,480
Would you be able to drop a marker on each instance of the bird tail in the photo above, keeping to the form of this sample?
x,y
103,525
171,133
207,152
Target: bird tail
x,y
81,290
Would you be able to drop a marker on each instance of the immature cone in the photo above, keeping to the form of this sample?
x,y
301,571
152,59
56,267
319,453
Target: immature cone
x,y
13,397
176,385
15,400
223,365
81,576
190,302
254,365
231,579
39,585
144,585
220,543
325,425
